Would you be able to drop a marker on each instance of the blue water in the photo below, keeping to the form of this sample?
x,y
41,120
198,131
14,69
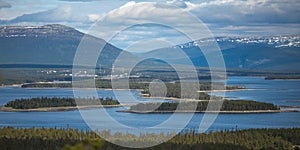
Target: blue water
x,y
280,92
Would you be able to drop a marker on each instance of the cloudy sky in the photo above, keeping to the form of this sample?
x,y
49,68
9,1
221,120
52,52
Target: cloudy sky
x,y
222,17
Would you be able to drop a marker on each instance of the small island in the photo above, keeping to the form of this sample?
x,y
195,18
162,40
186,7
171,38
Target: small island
x,y
42,104
228,106
286,77
173,91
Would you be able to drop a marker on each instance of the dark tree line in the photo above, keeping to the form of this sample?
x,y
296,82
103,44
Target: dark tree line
x,y
54,139
46,85
228,105
41,102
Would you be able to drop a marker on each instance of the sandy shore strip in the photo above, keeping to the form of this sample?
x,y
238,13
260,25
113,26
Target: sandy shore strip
x,y
51,109
221,112
12,85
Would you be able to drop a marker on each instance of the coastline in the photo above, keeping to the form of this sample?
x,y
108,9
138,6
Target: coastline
x,y
12,85
56,109
213,112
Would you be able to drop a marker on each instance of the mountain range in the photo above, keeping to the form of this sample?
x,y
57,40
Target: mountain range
x,y
57,44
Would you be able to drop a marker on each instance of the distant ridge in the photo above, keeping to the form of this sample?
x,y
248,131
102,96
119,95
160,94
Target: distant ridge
x,y
260,53
49,44
39,31
56,44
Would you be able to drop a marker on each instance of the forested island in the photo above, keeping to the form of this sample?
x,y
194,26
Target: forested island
x,y
282,77
228,106
69,139
106,84
57,103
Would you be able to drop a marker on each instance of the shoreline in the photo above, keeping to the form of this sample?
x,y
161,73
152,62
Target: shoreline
x,y
213,112
11,85
58,109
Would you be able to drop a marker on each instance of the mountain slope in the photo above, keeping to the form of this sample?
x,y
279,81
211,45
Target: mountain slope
x,y
49,44
268,53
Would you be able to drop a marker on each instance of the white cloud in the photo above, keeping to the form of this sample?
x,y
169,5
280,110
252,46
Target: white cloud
x,y
177,3
80,14
95,17
227,16
247,11
63,13
138,34
159,14
224,17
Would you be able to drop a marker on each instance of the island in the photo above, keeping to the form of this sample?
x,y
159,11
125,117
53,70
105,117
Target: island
x,y
173,91
43,104
228,106
286,77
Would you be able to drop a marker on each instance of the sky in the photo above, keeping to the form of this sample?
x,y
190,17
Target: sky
x,y
221,17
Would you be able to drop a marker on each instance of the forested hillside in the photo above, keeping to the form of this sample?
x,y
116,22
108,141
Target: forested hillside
x,y
55,139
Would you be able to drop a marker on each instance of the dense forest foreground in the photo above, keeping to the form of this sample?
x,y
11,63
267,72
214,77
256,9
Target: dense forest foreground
x,y
68,139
